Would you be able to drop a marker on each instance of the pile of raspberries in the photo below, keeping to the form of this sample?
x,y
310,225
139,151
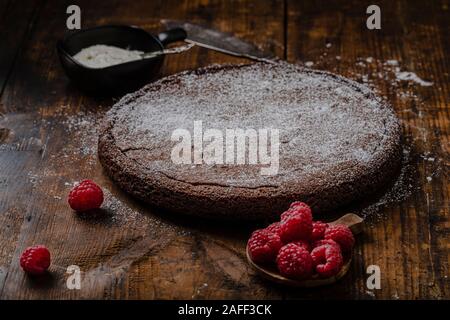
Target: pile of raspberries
x,y
300,247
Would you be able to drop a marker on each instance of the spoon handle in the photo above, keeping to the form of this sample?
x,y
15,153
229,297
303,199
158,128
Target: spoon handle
x,y
179,49
351,220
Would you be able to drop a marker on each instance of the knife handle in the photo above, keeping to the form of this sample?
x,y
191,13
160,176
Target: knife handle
x,y
172,35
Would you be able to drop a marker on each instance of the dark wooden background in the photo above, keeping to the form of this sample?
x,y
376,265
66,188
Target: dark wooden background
x,y
47,136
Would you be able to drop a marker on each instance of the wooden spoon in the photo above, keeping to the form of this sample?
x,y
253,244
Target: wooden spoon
x,y
351,220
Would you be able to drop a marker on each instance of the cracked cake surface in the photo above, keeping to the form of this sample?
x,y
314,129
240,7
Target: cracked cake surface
x,y
338,142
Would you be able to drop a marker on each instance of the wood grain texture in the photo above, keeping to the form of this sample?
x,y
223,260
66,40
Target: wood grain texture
x,y
130,251
411,244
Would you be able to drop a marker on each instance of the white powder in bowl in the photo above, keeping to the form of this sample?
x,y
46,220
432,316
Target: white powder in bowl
x,y
102,56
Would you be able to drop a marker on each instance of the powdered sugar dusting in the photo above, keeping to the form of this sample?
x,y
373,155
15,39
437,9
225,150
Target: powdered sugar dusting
x,y
411,76
327,124
400,189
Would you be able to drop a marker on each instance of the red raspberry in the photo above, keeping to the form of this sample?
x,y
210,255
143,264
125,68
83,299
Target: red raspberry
x,y
85,196
318,231
342,235
294,208
263,246
274,228
35,260
296,225
327,260
294,262
304,244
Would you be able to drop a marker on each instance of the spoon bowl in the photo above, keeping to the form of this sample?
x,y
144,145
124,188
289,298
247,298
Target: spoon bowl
x,y
351,220
120,78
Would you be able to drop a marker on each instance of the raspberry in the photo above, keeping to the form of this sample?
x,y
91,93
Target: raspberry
x,y
35,260
263,246
274,228
295,207
297,225
342,235
318,230
85,196
327,260
294,262
304,244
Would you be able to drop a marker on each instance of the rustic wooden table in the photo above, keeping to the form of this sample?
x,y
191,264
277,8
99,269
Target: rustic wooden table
x,y
48,142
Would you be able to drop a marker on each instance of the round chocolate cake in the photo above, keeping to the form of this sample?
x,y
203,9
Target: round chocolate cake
x,y
243,142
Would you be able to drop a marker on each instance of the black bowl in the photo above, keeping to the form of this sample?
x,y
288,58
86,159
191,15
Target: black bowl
x,y
119,78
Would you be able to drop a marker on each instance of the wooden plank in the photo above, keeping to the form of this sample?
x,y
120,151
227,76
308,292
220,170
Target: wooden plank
x,y
411,243
129,251
13,32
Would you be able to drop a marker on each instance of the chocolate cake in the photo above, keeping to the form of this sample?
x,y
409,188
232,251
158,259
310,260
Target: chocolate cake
x,y
338,142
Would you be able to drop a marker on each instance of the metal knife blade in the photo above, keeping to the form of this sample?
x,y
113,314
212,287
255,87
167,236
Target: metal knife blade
x,y
219,41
